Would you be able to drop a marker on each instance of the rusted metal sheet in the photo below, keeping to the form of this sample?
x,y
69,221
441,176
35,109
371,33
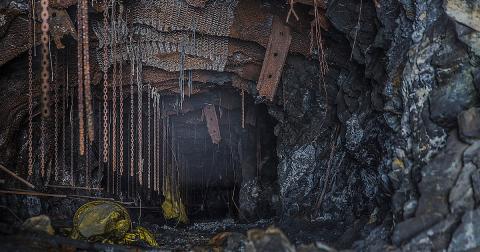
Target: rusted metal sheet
x,y
212,123
277,50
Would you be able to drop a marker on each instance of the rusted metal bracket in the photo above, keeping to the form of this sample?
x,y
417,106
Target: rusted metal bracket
x,y
212,123
275,56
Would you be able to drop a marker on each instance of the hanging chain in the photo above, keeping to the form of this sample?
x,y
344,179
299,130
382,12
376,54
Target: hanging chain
x,y
114,96
86,72
55,83
139,125
148,136
155,151
45,74
132,130
30,90
42,147
81,123
121,117
45,84
243,108
105,85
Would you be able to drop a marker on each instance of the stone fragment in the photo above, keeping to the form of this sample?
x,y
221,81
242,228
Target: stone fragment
x,y
470,37
435,238
476,186
467,235
439,176
466,12
469,124
461,195
411,227
454,96
316,247
229,241
270,240
472,154
40,223
409,208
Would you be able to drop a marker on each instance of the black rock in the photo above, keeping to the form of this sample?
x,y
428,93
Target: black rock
x,y
411,227
469,124
467,235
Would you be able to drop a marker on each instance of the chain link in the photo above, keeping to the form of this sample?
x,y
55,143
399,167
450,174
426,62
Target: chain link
x,y
121,117
132,130
86,72
243,108
155,150
140,122
30,90
148,135
81,123
105,85
42,148
114,108
55,83
45,75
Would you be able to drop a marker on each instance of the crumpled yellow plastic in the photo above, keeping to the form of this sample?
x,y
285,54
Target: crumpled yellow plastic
x,y
107,222
173,209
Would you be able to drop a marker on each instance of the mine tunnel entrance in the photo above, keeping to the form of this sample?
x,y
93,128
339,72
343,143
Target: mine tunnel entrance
x,y
217,165
212,150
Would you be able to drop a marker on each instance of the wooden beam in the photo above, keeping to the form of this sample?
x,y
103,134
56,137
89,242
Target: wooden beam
x,y
275,56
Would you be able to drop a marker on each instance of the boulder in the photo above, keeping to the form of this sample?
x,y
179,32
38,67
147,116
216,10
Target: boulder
x,y
466,12
461,195
467,235
39,223
270,240
469,124
455,95
408,229
435,238
439,176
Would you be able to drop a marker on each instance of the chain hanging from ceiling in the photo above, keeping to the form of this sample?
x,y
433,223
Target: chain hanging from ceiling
x,y
45,86
45,75
86,72
105,88
55,115
149,128
81,123
155,130
140,120
31,31
114,92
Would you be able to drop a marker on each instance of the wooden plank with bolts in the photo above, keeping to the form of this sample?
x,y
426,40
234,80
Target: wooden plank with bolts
x,y
212,123
275,56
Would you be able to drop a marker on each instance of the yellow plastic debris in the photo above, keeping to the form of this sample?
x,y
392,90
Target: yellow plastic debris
x,y
140,234
107,222
174,210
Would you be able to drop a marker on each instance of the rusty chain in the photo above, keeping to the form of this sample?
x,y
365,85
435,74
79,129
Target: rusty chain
x,y
105,85
55,114
139,125
148,135
86,72
81,123
45,75
132,130
31,31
